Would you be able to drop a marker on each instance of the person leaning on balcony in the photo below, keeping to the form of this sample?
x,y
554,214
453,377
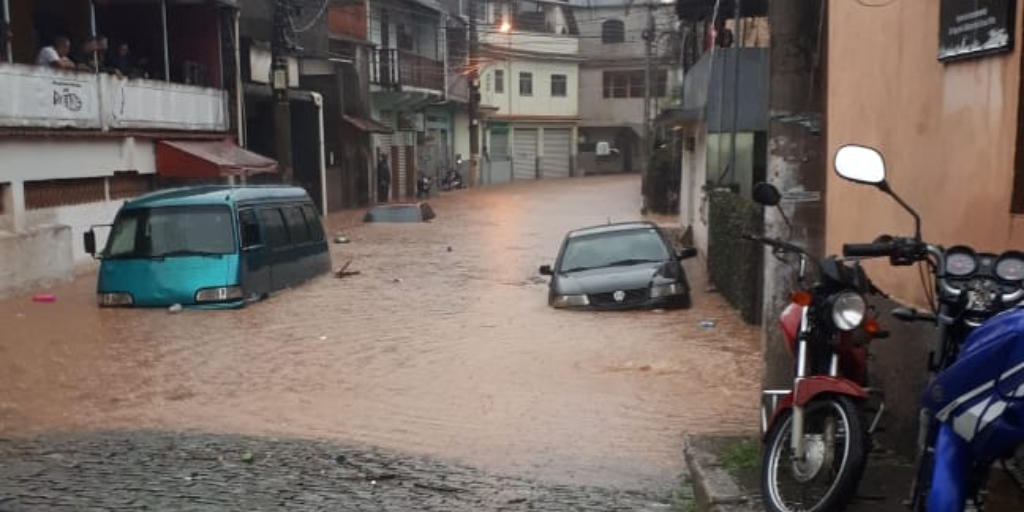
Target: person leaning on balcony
x,y
87,55
119,62
56,55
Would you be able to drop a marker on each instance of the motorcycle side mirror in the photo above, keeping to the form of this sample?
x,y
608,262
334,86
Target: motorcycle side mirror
x,y
766,194
860,164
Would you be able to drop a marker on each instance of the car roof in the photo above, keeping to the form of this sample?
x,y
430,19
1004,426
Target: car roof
x,y
215,194
395,205
611,228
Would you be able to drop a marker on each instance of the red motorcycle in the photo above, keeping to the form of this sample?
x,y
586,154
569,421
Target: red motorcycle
x,y
818,434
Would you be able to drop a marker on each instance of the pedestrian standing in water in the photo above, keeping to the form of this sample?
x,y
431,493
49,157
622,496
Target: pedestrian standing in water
x,y
383,178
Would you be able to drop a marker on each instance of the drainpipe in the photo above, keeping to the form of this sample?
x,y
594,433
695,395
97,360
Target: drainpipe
x,y
318,102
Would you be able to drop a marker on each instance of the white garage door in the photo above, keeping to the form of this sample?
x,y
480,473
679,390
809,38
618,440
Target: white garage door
x,y
524,153
557,152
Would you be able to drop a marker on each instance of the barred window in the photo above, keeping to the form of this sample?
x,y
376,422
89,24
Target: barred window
x,y
54,193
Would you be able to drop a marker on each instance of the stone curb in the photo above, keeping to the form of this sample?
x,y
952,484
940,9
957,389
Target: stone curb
x,y
714,488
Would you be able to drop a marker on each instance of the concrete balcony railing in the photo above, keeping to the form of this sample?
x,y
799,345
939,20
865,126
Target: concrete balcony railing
x,y
534,43
38,97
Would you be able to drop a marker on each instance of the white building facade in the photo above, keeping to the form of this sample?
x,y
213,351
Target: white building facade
x,y
529,90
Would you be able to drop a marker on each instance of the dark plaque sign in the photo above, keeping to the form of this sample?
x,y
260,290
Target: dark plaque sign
x,y
969,28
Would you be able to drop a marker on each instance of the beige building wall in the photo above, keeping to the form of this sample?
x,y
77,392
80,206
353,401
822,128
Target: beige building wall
x,y
948,132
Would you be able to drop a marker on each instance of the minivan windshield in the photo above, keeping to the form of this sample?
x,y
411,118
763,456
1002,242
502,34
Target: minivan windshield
x,y
171,231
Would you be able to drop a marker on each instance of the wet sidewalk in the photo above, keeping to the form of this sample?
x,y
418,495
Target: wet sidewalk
x,y
724,481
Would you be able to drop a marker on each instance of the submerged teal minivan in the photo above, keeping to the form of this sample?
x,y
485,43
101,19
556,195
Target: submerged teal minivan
x,y
210,246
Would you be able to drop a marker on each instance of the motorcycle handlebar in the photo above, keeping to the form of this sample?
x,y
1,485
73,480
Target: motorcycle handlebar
x,y
868,250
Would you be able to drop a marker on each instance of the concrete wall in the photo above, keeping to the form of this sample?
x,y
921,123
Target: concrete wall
x,y
540,103
60,158
37,257
590,164
26,160
78,218
692,199
595,109
590,21
948,133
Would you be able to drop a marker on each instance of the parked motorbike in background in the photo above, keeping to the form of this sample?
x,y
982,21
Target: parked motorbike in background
x,y
818,433
452,179
972,410
423,184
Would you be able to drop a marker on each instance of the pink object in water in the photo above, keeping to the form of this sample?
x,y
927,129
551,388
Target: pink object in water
x,y
44,297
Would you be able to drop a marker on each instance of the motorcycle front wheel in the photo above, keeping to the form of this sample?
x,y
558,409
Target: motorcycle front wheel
x,y
835,448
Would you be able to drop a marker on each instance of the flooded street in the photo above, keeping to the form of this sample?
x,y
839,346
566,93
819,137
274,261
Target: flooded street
x,y
443,346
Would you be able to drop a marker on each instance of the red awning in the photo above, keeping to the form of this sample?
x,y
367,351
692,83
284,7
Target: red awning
x,y
208,159
366,125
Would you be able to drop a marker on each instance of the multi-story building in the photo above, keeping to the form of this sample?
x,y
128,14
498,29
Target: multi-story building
x,y
350,52
613,75
75,143
407,74
723,99
529,85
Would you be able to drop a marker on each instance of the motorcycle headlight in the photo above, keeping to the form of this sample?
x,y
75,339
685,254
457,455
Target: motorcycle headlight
x,y
570,301
848,310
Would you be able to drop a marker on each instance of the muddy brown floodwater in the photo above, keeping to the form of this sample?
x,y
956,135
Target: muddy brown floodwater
x,y
442,346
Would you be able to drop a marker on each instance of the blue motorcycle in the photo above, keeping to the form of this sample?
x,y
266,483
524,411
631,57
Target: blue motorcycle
x,y
972,410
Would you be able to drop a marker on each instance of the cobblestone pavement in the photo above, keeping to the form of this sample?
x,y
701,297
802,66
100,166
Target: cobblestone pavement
x,y
167,471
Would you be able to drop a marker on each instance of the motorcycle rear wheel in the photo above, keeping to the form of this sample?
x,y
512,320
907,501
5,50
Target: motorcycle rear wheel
x,y
828,477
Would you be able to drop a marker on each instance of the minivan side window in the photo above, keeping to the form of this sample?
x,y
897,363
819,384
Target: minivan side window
x,y
249,228
296,224
316,230
274,227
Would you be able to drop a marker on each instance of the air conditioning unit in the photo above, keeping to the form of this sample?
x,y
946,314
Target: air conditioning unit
x,y
603,149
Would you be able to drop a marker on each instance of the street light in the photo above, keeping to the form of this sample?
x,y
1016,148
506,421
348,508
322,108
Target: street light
x,y
506,27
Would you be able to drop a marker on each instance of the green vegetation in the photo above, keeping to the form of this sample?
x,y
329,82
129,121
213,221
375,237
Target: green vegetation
x,y
739,455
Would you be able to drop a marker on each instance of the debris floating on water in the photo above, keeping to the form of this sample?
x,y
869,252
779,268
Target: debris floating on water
x,y
44,297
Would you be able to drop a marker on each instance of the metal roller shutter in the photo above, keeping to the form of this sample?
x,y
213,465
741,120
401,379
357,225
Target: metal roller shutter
x,y
498,149
524,154
557,152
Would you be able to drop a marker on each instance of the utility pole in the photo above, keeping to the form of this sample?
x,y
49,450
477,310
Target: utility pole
x,y
474,95
279,48
649,36
796,156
